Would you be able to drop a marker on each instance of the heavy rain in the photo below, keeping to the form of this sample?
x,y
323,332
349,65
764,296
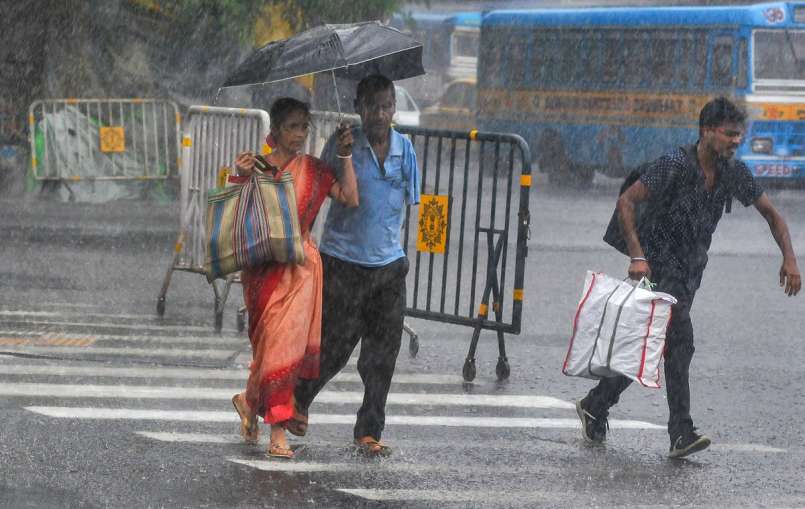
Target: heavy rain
x,y
401,253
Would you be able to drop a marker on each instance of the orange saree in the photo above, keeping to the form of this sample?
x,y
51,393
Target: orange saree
x,y
284,306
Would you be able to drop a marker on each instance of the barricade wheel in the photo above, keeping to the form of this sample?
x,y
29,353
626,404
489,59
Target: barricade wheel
x,y
241,321
219,320
503,371
161,306
469,370
413,346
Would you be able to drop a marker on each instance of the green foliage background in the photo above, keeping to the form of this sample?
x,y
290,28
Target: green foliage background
x,y
236,16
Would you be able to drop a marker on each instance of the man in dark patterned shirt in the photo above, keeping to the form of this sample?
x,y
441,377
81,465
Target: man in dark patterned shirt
x,y
685,192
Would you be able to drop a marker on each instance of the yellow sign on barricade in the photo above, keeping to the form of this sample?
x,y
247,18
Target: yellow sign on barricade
x,y
112,139
433,222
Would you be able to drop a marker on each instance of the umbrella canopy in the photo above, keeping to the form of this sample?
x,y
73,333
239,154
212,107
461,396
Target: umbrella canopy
x,y
352,51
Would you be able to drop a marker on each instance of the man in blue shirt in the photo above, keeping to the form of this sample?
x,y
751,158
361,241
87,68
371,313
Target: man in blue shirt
x,y
365,265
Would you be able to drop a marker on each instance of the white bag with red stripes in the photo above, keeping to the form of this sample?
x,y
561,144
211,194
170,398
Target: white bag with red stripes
x,y
619,329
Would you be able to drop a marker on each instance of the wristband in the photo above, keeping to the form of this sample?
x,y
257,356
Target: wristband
x,y
638,259
344,157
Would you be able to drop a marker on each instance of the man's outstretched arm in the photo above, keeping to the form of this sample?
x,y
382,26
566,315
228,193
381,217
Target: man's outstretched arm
x,y
789,271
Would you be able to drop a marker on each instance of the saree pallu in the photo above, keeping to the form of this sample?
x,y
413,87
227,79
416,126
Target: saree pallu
x,y
284,306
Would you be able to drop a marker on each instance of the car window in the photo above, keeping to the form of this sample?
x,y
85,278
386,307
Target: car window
x,y
402,100
454,96
470,98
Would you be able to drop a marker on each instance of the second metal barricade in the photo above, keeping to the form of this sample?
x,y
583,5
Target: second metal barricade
x,y
212,138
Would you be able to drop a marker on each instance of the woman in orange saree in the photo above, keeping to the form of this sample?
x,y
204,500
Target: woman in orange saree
x,y
283,300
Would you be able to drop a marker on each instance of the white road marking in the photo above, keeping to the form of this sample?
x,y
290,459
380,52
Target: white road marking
x,y
61,305
293,466
322,419
199,340
394,467
126,352
14,312
132,326
194,438
494,498
198,373
750,448
326,397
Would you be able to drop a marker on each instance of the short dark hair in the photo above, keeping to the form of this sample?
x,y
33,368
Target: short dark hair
x,y
283,107
371,85
720,110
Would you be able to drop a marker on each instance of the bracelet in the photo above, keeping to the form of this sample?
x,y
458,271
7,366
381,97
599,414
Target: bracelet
x,y
638,259
343,157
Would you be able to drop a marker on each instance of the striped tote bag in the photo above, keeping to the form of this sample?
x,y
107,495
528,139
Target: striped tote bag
x,y
252,223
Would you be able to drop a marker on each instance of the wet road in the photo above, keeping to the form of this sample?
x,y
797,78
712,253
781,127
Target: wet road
x,y
105,405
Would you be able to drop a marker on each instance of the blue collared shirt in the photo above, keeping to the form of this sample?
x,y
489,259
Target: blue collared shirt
x,y
369,234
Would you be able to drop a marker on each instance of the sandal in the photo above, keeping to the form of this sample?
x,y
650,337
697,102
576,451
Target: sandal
x,y
369,446
249,429
277,451
297,425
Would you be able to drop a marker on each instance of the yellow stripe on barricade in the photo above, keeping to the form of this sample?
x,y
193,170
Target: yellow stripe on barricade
x,y
178,118
178,247
74,179
33,162
483,310
518,294
187,141
474,134
525,180
137,101
71,101
31,120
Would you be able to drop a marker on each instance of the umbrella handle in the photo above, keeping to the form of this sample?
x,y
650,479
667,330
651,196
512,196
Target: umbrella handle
x,y
337,97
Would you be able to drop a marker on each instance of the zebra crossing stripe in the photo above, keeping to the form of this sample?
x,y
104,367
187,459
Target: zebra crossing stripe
x,y
324,419
82,341
130,326
50,337
199,373
54,314
125,352
325,397
486,498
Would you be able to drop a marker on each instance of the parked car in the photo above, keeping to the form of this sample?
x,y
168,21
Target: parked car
x,y
407,109
455,109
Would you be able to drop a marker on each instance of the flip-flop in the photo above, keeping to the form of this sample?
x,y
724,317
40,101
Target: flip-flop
x,y
276,451
369,446
249,429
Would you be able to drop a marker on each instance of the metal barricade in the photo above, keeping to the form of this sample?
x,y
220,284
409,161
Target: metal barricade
x,y
213,136
473,218
104,139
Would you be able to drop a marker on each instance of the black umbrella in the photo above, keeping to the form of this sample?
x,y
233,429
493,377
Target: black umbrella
x,y
352,51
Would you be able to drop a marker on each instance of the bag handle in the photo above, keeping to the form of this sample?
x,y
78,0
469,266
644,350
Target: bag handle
x,y
644,283
263,165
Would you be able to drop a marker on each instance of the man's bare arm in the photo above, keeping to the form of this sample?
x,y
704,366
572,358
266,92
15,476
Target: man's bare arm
x,y
789,271
627,201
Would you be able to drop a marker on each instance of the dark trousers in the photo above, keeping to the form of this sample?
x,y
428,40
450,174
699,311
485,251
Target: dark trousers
x,y
678,354
366,304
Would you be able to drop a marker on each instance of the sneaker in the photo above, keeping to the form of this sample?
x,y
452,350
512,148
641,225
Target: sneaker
x,y
688,443
593,429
